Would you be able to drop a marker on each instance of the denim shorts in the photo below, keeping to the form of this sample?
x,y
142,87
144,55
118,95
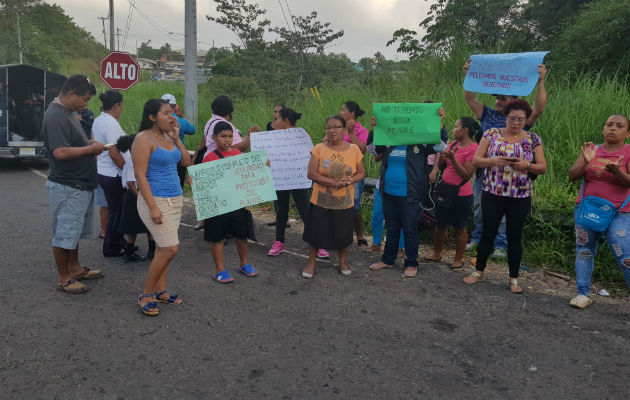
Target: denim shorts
x,y
71,215
358,191
99,197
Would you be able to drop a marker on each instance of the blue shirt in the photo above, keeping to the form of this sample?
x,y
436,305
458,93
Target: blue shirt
x,y
396,173
491,118
185,127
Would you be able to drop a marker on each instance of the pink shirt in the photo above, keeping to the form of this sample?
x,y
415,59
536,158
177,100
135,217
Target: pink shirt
x,y
360,131
601,183
451,176
207,132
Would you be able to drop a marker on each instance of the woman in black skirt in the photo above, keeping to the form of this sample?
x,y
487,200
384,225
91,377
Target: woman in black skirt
x,y
334,168
129,222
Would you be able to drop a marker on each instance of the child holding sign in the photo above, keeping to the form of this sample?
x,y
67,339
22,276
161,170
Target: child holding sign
x,y
233,224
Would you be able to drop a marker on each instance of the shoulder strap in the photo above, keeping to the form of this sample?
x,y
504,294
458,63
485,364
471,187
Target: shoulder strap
x,y
624,203
205,133
218,153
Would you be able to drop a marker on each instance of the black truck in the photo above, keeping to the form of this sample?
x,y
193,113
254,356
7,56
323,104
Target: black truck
x,y
25,93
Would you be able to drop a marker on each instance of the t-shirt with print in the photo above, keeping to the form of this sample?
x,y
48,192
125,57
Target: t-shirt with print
x,y
504,181
212,156
106,129
396,172
61,128
462,155
335,165
209,129
360,131
601,183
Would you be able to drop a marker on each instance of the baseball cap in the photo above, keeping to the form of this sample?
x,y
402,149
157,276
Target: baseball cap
x,y
170,98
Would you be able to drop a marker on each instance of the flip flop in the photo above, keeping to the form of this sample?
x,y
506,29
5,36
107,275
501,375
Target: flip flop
x,y
455,267
171,300
430,260
89,274
223,277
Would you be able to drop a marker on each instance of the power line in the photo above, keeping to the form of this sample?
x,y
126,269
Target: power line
x,y
152,22
284,15
128,23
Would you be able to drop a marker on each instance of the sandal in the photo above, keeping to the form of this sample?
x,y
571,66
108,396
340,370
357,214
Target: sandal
x,y
455,267
248,270
363,244
411,272
73,286
223,277
151,308
345,271
514,286
476,276
89,274
172,299
373,248
380,265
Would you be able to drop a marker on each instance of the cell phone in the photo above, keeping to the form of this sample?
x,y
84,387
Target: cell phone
x,y
110,145
513,159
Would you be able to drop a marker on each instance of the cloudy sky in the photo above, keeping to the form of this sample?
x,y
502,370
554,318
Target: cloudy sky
x,y
368,24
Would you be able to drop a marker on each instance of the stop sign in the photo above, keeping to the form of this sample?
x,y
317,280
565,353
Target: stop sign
x,y
119,70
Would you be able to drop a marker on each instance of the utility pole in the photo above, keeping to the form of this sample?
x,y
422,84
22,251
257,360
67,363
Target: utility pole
x,y
19,34
104,35
190,58
111,26
118,37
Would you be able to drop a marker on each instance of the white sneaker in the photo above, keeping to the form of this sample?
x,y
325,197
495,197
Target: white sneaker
x,y
470,246
499,253
580,301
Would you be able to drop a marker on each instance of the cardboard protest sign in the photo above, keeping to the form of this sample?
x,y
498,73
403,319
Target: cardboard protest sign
x,y
231,183
289,151
406,123
512,74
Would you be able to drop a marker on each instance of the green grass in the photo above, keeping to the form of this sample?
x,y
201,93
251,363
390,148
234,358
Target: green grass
x,y
576,112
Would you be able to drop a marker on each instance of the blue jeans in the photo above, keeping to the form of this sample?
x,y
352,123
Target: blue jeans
x,y
378,221
358,191
500,242
401,214
586,241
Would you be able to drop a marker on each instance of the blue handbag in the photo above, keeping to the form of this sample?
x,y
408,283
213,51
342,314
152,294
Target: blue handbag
x,y
595,213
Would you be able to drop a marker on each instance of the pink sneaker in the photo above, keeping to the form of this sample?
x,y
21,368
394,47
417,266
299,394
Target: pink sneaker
x,y
276,249
321,253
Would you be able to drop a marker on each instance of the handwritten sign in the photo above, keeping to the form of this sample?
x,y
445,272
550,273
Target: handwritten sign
x,y
231,183
513,74
406,123
289,152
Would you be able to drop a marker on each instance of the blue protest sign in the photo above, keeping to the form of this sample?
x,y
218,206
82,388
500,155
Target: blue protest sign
x,y
513,74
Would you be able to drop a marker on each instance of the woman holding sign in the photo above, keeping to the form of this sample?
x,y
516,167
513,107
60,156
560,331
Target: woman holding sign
x,y
155,153
335,167
605,173
507,157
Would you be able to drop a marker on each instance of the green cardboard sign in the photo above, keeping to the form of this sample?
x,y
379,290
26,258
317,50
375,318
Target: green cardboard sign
x,y
406,123
231,183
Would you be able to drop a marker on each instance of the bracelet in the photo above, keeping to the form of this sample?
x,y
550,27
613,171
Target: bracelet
x,y
528,165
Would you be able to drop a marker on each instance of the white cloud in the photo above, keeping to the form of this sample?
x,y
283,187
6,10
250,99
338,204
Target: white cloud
x,y
368,24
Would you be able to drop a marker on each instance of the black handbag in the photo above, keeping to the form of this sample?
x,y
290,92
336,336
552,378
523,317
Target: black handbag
x,y
444,194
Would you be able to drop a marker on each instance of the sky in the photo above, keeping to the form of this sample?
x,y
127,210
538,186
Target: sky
x,y
368,24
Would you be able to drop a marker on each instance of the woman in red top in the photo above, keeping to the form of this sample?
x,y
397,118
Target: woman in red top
x,y
233,224
456,164
606,173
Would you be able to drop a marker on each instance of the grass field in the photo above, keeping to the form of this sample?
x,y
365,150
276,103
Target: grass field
x,y
576,112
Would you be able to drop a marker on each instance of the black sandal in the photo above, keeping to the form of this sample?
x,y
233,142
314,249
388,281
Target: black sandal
x,y
363,244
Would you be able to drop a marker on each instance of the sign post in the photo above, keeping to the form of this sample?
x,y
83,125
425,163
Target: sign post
x,y
119,70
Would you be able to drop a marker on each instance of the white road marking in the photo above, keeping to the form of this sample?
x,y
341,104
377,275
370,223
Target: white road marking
x,y
36,172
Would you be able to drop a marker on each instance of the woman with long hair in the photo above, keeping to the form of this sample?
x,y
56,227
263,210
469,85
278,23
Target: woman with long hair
x,y
155,153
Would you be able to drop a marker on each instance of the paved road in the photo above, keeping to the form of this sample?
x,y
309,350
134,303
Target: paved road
x,y
373,335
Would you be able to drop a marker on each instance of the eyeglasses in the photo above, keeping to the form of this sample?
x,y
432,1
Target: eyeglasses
x,y
515,119
332,128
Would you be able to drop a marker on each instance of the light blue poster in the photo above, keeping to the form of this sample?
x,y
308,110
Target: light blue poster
x,y
513,74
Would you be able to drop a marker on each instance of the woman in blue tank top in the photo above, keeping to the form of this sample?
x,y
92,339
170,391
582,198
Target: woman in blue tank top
x,y
156,151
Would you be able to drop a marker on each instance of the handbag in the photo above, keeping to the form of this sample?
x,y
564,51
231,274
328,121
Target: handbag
x,y
595,213
444,194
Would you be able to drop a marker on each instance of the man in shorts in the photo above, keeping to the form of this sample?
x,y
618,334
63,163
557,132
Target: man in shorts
x,y
72,178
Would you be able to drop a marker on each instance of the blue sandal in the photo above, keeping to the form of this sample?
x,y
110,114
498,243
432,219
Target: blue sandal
x,y
248,270
171,300
146,309
223,277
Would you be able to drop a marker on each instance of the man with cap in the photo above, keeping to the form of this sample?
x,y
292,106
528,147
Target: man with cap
x,y
185,128
494,118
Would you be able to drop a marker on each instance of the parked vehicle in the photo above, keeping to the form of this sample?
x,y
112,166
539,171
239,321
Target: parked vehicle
x,y
25,93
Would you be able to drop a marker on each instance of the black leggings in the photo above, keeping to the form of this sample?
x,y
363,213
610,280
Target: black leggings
x,y
494,208
300,198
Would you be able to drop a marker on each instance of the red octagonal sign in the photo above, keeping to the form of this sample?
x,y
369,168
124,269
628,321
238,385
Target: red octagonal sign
x,y
119,70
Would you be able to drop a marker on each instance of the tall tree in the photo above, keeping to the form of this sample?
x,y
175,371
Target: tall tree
x,y
245,20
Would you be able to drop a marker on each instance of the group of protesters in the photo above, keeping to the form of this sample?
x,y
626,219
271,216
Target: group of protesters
x,y
138,179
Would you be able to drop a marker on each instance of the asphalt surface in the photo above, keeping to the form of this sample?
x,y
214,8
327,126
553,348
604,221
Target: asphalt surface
x,y
373,335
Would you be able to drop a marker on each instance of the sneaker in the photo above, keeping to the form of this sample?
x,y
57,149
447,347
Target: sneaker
x,y
276,248
470,246
581,301
499,253
321,253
